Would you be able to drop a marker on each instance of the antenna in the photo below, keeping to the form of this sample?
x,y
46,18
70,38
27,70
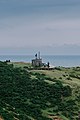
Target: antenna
x,y
39,54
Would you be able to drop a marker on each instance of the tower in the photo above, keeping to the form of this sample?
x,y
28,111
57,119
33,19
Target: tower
x,y
39,55
37,62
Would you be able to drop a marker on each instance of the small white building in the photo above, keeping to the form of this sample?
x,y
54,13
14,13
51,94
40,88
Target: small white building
x,y
37,62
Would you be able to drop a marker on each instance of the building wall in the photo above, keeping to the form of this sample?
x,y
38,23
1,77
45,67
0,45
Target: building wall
x,y
37,62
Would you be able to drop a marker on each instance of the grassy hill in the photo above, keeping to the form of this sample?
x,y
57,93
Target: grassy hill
x,y
38,94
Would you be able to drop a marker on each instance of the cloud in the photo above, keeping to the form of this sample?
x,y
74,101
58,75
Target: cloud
x,y
29,7
25,32
64,24
36,23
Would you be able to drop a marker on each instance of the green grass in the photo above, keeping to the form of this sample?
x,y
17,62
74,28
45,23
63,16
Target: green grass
x,y
50,82
61,75
21,64
68,76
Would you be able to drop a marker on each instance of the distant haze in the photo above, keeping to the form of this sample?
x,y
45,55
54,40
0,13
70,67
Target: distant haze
x,y
49,26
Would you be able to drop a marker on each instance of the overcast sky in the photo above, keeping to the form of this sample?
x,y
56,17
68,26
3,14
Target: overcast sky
x,y
31,23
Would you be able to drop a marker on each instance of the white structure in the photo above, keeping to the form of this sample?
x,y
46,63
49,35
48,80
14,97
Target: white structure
x,y
37,62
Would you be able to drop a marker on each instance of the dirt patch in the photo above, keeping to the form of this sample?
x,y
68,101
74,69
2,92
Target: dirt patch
x,y
54,117
1,118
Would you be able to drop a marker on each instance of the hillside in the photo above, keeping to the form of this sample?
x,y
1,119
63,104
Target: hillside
x,y
39,94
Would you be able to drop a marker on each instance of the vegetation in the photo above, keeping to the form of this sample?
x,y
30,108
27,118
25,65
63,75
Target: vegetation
x,y
38,95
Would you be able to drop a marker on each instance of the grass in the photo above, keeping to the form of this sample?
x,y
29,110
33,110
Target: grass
x,y
21,64
50,82
62,74
50,76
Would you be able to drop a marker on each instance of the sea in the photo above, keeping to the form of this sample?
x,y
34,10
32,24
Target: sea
x,y
54,60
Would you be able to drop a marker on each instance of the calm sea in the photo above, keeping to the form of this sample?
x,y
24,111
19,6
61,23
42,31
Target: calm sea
x,y
55,60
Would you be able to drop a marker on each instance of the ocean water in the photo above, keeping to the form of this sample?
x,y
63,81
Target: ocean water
x,y
55,60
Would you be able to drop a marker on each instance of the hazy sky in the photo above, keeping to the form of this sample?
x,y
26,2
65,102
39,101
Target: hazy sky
x,y
31,23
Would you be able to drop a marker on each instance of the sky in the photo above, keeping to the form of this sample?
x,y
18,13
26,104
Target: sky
x,y
50,26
